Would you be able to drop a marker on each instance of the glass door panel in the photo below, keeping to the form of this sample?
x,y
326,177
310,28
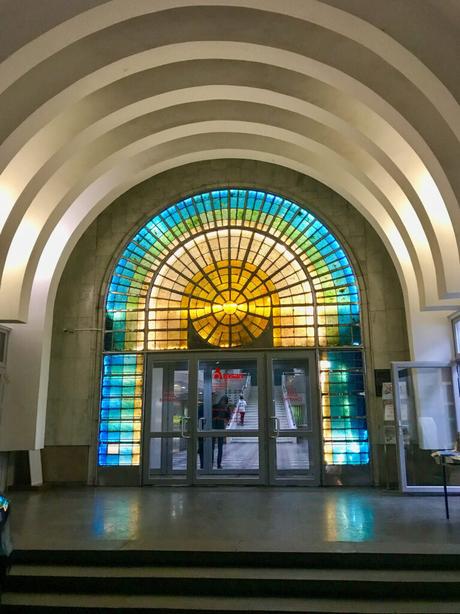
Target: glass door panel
x,y
228,418
167,456
426,420
293,424
167,435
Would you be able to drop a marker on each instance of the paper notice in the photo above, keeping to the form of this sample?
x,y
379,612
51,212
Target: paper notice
x,y
389,412
387,391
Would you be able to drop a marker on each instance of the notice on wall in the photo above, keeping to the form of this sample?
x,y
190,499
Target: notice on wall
x,y
387,391
388,412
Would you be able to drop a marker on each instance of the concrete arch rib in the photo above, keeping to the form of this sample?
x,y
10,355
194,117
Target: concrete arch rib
x,y
51,201
439,220
337,20
268,56
345,51
200,137
127,174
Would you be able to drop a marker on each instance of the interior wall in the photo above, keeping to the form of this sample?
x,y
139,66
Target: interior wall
x,y
72,413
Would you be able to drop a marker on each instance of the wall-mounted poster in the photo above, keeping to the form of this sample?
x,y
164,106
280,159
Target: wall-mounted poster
x,y
389,412
387,391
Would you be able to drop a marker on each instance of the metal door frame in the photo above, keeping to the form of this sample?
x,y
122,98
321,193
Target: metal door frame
x,y
265,433
216,479
152,358
294,477
402,473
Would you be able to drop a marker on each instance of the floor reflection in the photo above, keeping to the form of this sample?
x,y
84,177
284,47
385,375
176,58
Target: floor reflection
x,y
348,519
225,518
116,519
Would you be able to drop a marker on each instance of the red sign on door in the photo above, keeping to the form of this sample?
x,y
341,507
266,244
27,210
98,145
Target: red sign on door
x,y
219,375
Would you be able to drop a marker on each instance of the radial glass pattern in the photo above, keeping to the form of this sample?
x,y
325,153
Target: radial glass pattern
x,y
230,268
318,294
228,303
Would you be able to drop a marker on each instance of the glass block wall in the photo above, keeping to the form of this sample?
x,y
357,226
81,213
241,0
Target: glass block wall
x,y
343,405
223,267
121,409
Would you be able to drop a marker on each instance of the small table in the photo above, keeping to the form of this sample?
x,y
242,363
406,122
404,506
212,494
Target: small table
x,y
446,457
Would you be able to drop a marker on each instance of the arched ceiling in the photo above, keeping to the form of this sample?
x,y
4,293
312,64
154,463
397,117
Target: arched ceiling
x,y
96,96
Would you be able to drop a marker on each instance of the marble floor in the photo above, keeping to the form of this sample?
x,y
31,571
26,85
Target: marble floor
x,y
233,518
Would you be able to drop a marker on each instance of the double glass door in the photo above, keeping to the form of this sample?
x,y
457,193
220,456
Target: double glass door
x,y
232,418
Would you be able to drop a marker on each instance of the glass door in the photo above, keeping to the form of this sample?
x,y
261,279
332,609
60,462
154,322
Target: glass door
x,y
229,417
229,421
427,420
167,432
293,431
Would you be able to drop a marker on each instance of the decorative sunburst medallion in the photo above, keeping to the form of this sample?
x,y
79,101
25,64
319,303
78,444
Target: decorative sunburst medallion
x,y
229,302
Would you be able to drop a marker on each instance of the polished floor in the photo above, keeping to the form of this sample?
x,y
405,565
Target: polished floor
x,y
233,518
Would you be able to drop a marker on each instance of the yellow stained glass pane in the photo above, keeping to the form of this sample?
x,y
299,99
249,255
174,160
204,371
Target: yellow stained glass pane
x,y
226,286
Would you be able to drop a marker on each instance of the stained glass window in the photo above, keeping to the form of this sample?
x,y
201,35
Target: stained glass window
x,y
226,264
121,409
228,268
345,436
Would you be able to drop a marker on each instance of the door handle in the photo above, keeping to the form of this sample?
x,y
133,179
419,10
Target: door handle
x,y
183,424
276,430
201,423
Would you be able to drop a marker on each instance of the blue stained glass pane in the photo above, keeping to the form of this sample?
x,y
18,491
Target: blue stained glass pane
x,y
250,201
121,377
199,205
345,396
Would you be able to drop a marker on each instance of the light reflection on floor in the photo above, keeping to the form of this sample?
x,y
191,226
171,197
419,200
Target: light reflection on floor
x,y
116,522
234,518
349,519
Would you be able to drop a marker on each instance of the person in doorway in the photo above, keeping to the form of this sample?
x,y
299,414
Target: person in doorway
x,y
241,409
220,418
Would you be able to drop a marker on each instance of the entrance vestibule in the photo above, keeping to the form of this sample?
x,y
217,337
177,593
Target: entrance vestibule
x,y
195,432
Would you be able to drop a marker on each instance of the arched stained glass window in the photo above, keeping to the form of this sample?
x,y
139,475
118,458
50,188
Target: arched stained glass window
x,y
226,266
233,268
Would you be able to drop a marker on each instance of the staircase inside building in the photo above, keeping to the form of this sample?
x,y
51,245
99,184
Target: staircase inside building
x,y
225,582
251,420
285,421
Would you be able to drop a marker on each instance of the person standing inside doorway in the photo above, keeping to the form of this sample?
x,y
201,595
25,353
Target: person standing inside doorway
x,y
220,419
241,409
